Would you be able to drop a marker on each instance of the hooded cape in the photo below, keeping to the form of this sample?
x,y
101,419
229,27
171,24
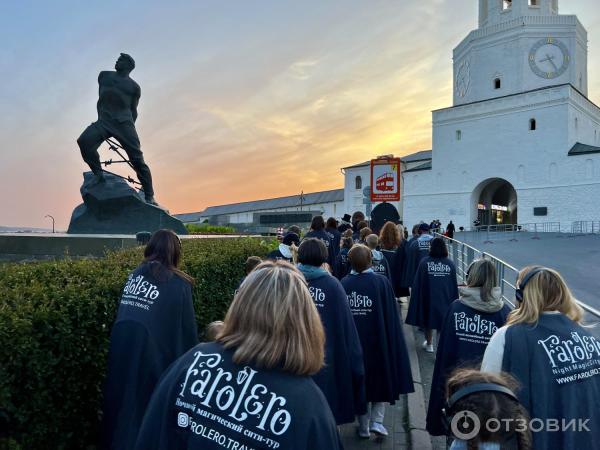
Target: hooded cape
x,y
207,402
373,306
434,289
462,343
417,250
380,264
557,363
342,264
155,325
342,379
399,277
327,239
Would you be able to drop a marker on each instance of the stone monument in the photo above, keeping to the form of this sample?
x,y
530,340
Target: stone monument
x,y
110,204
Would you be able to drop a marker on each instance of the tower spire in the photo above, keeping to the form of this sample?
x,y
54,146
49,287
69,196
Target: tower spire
x,y
497,11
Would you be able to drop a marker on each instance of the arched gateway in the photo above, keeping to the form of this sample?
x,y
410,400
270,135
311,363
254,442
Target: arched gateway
x,y
494,202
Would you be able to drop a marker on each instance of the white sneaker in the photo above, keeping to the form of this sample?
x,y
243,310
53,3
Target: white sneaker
x,y
427,347
378,428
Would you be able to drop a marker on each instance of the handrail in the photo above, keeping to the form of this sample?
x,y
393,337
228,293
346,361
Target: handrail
x,y
463,255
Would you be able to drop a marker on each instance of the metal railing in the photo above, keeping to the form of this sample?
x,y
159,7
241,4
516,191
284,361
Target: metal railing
x,y
463,255
586,227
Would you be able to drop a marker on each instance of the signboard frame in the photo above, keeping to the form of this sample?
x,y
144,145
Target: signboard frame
x,y
394,167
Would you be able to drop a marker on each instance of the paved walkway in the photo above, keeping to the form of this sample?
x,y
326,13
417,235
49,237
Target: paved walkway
x,y
405,421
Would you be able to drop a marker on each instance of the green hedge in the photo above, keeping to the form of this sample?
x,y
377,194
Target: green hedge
x,y
205,228
55,320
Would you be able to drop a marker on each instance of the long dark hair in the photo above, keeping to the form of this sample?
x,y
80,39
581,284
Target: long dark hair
x,y
163,255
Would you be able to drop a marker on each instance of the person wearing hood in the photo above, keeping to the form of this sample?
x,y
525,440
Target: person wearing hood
x,y
284,251
317,230
468,326
434,289
417,250
387,366
380,263
332,229
342,265
342,378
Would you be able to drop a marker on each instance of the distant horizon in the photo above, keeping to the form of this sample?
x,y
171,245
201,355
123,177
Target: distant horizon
x,y
239,102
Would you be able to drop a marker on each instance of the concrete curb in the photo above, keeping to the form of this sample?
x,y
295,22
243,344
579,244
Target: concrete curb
x,y
419,437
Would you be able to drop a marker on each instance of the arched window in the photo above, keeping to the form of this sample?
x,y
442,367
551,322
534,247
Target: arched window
x,y
358,182
497,83
532,125
506,4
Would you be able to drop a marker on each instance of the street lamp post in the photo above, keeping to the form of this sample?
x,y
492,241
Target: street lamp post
x,y
48,215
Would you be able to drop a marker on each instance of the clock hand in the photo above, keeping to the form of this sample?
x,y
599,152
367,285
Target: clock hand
x,y
551,60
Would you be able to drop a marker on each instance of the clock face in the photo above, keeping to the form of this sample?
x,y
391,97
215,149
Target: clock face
x,y
463,78
549,58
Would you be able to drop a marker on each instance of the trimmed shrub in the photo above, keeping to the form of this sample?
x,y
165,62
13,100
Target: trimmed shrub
x,y
205,228
55,321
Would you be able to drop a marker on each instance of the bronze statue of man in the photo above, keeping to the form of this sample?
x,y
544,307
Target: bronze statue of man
x,y
117,104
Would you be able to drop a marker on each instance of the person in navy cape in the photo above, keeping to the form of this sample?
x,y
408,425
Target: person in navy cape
x,y
387,367
342,265
555,360
331,227
342,379
415,252
434,289
317,230
469,324
285,249
155,325
379,262
252,388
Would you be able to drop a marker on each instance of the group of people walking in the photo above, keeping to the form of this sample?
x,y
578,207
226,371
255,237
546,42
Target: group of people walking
x,y
313,339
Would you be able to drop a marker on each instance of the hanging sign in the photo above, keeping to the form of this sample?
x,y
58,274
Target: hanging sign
x,y
385,179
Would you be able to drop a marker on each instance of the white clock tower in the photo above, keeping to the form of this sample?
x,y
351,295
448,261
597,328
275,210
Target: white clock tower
x,y
521,142
520,45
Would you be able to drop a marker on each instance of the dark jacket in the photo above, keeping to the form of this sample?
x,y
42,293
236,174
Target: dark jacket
x,y
155,325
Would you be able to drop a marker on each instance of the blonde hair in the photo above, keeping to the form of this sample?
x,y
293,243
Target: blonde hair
x,y
372,241
545,291
401,230
213,330
273,322
482,274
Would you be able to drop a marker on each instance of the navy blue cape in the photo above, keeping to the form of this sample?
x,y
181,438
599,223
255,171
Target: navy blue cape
x,y
155,325
557,363
342,380
373,306
336,237
416,251
342,264
434,289
462,343
207,402
399,267
327,239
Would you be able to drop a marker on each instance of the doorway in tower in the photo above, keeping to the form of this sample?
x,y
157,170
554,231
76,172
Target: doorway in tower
x,y
494,202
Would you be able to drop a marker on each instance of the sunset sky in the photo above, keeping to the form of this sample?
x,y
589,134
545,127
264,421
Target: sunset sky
x,y
241,100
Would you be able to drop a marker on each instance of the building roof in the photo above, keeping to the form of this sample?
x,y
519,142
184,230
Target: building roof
x,y
336,195
424,166
190,217
583,149
423,155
